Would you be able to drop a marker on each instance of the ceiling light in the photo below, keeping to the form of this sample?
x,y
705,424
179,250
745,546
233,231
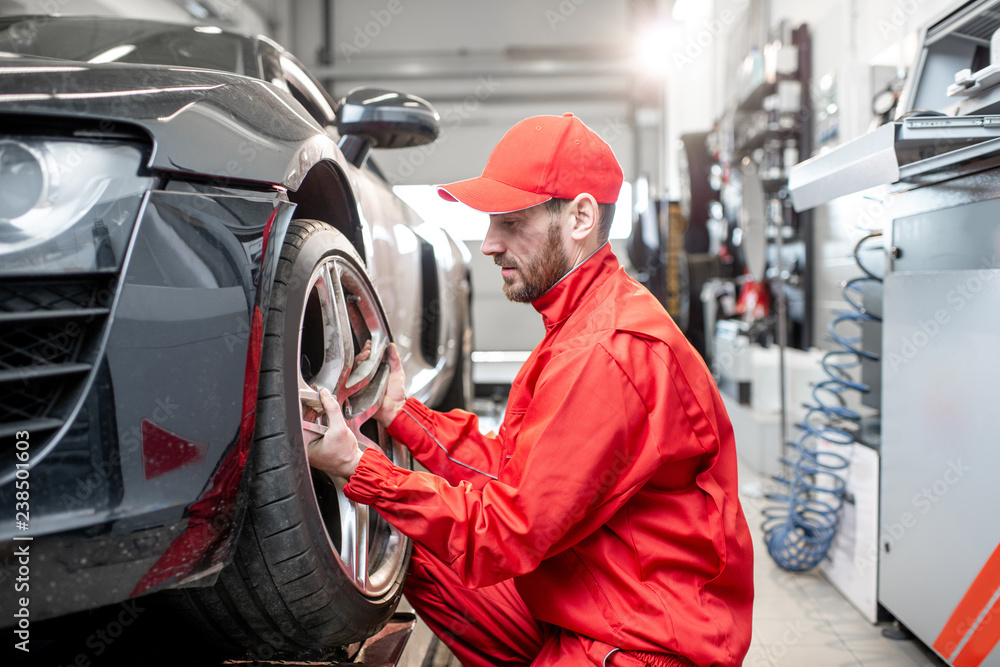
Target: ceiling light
x,y
113,54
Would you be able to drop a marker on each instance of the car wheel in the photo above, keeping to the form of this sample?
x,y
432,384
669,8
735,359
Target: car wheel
x,y
313,571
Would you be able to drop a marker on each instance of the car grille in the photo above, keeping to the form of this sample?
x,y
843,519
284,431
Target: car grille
x,y
50,332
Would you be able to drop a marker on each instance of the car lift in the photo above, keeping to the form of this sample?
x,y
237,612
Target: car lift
x,y
382,650
385,648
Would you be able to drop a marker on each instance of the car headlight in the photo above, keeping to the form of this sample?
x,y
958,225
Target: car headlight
x,y
24,181
67,205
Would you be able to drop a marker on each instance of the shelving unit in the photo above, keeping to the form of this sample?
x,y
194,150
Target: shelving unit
x,y
744,137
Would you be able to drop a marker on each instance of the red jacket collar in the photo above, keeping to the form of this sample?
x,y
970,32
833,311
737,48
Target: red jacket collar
x,y
562,298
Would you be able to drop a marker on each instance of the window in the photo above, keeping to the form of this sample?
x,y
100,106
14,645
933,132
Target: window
x,y
87,39
308,91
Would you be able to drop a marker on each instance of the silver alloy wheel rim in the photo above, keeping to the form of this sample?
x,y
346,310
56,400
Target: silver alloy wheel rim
x,y
369,549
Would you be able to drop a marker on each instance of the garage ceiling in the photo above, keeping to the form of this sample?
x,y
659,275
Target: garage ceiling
x,y
486,65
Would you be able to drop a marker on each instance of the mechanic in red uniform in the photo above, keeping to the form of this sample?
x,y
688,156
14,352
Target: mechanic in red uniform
x,y
601,526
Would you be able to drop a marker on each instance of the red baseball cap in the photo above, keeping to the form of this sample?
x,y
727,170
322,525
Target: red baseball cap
x,y
542,158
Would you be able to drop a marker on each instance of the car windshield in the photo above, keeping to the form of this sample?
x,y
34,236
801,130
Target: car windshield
x,y
126,41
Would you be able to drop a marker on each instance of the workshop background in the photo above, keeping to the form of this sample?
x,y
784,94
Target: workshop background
x,y
862,417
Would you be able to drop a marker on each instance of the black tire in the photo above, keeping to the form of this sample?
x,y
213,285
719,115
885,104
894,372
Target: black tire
x,y
294,586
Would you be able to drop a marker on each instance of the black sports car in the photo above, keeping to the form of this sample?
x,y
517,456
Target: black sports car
x,y
191,240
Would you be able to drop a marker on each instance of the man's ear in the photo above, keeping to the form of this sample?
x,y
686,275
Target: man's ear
x,y
585,216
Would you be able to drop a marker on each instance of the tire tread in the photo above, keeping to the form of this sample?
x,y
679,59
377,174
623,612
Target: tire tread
x,y
280,596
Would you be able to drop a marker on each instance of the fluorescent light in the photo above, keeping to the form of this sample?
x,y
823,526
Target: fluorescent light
x,y
380,98
128,93
194,9
24,97
113,54
38,70
165,119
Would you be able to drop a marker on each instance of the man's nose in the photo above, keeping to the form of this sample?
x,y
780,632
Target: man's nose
x,y
492,244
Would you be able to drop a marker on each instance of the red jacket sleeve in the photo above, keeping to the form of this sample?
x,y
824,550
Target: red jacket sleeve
x,y
448,444
584,447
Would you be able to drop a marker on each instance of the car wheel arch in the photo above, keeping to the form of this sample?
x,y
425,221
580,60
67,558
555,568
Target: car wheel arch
x,y
325,194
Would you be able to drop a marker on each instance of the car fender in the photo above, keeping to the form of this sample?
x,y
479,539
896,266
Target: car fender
x,y
194,117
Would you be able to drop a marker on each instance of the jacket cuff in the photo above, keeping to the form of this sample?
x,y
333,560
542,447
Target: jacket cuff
x,y
369,478
408,426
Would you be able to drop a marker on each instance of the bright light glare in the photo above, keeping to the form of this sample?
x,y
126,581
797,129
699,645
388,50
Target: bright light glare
x,y
113,54
462,222
686,11
654,48
641,195
466,224
621,226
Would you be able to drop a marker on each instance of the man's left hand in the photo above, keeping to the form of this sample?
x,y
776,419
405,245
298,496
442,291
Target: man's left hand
x,y
337,452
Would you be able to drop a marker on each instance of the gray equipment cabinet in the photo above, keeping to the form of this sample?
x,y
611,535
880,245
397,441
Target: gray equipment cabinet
x,y
939,551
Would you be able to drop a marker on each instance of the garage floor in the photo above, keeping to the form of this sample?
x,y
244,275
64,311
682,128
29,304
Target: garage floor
x,y
800,619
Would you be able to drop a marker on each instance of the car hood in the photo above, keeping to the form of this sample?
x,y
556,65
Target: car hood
x,y
204,122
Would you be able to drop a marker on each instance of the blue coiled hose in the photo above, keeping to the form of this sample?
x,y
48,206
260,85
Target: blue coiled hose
x,y
801,525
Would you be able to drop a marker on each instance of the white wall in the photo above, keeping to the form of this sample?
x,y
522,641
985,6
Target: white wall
x,y
697,74
450,25
465,58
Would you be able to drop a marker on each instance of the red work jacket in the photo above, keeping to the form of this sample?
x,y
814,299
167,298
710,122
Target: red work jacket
x,y
610,493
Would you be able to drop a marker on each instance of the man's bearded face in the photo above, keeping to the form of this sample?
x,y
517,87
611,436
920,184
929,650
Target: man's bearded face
x,y
537,270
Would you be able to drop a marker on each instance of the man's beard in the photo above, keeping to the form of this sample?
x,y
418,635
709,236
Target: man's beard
x,y
544,270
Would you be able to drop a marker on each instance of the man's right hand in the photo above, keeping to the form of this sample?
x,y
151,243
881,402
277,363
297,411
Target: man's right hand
x,y
395,393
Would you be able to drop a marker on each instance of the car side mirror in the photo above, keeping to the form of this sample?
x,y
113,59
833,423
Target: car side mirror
x,y
376,118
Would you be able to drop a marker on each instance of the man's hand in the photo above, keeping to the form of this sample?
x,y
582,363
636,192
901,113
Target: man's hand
x,y
337,452
395,393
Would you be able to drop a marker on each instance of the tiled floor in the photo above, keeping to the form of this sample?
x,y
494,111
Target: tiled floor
x,y
801,620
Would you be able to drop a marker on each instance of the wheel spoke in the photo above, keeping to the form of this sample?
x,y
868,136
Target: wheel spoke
x,y
367,370
338,343
311,430
345,330
367,321
365,403
360,568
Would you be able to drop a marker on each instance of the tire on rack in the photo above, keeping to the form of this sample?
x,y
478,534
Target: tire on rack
x,y
312,571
